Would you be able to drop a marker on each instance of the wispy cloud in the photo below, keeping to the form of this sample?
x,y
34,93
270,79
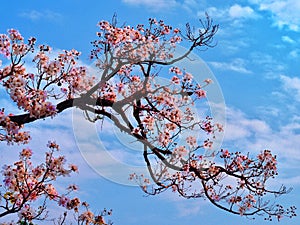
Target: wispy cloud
x,y
192,5
35,15
270,66
238,126
294,53
237,65
287,39
217,13
236,11
285,13
291,85
247,134
153,5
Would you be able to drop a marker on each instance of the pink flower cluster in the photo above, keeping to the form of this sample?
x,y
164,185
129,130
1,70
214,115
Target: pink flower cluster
x,y
135,44
33,101
33,92
25,183
11,131
4,45
12,43
180,152
62,72
108,93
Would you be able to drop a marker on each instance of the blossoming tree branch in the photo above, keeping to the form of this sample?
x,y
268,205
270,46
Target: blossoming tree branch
x,y
127,92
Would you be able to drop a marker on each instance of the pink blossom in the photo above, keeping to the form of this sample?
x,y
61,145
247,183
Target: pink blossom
x,y
225,153
73,167
208,144
200,93
164,138
63,200
175,80
191,140
51,191
176,70
188,77
208,81
26,153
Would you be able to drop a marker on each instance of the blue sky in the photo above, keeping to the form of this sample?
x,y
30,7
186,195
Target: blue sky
x,y
255,61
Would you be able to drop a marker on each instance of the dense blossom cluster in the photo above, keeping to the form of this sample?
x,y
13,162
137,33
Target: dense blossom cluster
x,y
146,42
24,185
10,131
146,95
54,79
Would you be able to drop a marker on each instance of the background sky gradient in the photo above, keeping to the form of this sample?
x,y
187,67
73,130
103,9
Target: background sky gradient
x,y
256,62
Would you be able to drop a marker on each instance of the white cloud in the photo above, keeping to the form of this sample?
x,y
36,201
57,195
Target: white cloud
x,y
238,126
32,15
294,53
254,135
190,208
233,13
285,12
237,11
291,85
216,13
287,39
38,15
268,111
237,65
